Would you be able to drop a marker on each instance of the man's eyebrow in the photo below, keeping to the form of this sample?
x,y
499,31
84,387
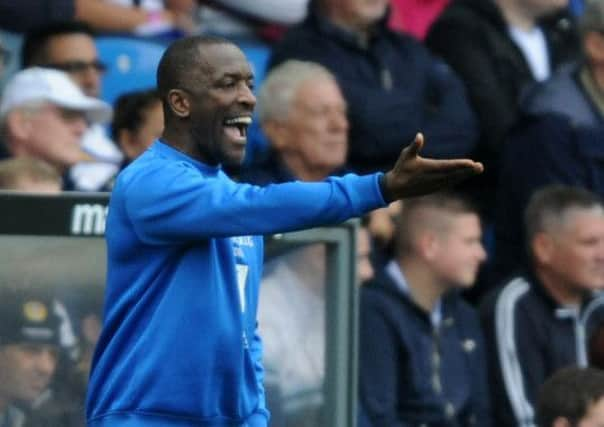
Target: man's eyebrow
x,y
238,75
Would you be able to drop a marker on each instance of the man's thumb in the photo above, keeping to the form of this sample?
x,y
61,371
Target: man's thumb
x,y
416,146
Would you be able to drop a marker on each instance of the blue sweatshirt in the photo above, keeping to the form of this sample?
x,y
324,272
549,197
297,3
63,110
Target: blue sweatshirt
x,y
179,345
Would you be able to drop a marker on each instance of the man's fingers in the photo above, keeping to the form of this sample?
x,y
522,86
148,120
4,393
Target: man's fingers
x,y
413,149
433,165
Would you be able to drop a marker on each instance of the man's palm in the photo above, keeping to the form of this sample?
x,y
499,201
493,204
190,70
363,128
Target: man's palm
x,y
414,175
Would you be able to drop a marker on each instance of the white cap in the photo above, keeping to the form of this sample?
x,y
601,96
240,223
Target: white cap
x,y
45,84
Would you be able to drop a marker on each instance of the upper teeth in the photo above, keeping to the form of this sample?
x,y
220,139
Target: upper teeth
x,y
239,121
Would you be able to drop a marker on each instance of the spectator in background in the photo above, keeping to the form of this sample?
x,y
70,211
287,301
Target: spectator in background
x,y
303,113
44,115
155,16
365,270
261,18
67,46
422,355
558,140
102,15
292,315
18,17
382,228
29,174
415,16
499,48
30,348
85,306
572,397
70,47
138,120
393,86
538,322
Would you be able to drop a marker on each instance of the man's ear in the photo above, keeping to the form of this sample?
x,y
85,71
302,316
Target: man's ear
x,y
179,103
560,422
427,243
542,246
18,125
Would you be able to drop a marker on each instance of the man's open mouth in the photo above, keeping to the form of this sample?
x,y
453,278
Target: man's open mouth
x,y
236,127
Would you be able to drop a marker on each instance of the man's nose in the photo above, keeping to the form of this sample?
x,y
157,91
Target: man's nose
x,y
246,96
338,121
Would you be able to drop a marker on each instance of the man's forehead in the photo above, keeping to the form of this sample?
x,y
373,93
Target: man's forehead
x,y
24,350
579,214
323,89
56,41
62,46
217,60
573,219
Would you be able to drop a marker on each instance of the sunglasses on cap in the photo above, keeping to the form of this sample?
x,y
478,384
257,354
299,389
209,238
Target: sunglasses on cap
x,y
76,67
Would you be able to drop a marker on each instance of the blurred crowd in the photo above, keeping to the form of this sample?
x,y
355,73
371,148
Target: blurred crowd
x,y
478,307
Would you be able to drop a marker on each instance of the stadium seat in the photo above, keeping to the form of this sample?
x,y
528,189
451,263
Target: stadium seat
x,y
577,7
131,62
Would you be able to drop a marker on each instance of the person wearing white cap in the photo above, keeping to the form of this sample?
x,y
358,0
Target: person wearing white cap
x,y
69,46
43,114
35,330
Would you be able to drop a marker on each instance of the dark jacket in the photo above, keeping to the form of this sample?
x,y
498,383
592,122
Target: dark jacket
x,y
394,88
558,140
529,337
473,38
270,169
413,373
21,16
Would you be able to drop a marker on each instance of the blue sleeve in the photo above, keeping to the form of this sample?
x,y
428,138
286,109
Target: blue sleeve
x,y
173,202
261,416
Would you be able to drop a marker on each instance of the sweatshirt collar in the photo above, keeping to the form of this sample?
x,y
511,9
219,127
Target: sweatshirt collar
x,y
170,152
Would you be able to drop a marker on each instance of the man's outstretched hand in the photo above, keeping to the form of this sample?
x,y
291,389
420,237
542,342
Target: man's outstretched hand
x,y
413,175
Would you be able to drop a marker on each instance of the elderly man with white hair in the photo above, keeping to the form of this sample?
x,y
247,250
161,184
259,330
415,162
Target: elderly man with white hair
x,y
303,113
43,115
